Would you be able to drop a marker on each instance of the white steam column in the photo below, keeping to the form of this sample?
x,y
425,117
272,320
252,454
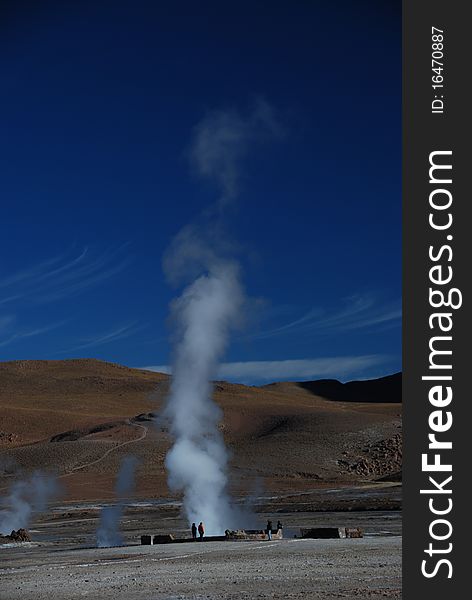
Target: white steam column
x,y
197,462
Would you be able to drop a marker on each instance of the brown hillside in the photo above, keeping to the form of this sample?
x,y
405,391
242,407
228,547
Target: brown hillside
x,y
80,417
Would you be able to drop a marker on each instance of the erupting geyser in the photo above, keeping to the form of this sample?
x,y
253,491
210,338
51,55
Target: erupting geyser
x,y
203,317
197,462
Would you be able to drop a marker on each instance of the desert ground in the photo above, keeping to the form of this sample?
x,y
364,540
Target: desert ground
x,y
63,563
296,455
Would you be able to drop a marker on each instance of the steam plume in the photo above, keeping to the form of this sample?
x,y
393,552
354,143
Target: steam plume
x,y
197,463
27,497
203,317
108,533
223,138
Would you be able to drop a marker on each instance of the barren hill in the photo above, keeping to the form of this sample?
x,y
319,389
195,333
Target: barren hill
x,y
80,417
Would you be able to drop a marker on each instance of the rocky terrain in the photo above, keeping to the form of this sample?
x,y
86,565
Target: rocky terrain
x,y
20,535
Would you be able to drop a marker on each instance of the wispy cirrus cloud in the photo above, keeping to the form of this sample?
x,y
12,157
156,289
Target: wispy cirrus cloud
x,y
53,280
358,312
28,333
263,371
62,276
118,333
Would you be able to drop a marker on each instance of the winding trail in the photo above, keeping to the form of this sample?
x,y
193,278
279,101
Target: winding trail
x,y
105,454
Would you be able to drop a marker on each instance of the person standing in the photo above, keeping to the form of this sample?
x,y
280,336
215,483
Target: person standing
x,y
201,531
269,530
194,532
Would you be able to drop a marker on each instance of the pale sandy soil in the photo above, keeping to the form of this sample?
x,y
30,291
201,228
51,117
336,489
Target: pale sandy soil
x,y
365,568
362,568
62,563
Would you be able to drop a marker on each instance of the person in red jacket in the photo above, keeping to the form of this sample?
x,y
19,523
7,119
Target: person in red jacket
x,y
201,531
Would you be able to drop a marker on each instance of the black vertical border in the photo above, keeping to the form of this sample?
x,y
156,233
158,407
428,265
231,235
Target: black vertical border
x,y
424,132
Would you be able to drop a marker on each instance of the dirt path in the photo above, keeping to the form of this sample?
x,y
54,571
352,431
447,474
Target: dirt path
x,y
97,460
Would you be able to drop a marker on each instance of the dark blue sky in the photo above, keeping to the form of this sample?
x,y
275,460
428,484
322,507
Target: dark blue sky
x,y
99,106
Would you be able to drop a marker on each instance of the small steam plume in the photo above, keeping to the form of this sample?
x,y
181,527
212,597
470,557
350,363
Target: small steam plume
x,y
26,498
108,532
250,504
203,317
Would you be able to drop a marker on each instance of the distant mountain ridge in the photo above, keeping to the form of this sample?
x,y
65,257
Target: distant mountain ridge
x,y
90,371
386,389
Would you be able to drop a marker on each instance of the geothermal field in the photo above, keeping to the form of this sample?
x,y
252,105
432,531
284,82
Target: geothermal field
x,y
83,470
